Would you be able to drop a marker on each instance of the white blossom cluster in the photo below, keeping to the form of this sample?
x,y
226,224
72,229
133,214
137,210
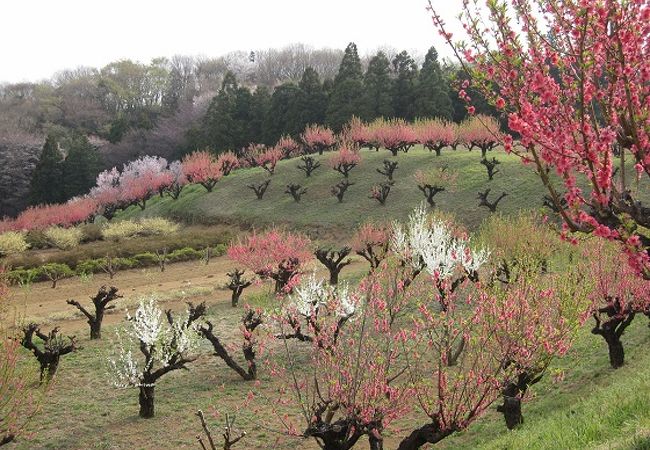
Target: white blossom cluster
x,y
148,328
429,244
313,294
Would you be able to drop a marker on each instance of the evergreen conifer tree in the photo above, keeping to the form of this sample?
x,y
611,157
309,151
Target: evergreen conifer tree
x,y
81,166
347,92
314,99
377,99
47,178
404,85
432,98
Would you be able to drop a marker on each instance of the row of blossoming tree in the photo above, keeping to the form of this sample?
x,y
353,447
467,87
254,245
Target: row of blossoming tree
x,y
148,176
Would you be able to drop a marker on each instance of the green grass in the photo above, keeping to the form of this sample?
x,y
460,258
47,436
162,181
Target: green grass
x,y
232,202
593,407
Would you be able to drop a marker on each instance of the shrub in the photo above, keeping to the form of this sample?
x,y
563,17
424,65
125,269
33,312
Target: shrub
x,y
185,254
91,232
157,225
36,239
123,229
123,263
197,237
12,242
55,272
88,266
21,276
63,238
127,229
145,259
520,245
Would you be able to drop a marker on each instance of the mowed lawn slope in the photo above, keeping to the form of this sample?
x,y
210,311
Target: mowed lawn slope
x,y
232,202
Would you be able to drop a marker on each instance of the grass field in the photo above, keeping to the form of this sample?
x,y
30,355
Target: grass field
x,y
593,407
590,406
232,202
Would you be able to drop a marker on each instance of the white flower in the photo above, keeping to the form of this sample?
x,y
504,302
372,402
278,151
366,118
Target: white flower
x,y
147,325
429,243
314,293
163,343
347,305
309,296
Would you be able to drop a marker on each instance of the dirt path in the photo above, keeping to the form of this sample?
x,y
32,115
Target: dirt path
x,y
181,282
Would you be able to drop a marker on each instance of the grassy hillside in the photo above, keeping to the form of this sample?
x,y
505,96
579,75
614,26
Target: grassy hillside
x,y
232,201
592,407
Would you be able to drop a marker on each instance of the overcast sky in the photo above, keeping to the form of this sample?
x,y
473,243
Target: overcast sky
x,y
41,37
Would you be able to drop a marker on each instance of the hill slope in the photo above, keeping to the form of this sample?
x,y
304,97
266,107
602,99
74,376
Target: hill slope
x,y
231,201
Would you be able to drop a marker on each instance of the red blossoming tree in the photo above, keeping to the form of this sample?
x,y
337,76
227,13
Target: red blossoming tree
x,y
275,254
318,139
435,134
227,162
395,135
345,159
269,158
619,295
574,81
202,168
289,147
371,242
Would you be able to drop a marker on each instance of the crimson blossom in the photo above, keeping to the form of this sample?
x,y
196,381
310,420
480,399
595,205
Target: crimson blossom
x,y
395,135
346,159
435,134
573,79
202,168
142,178
275,254
318,139
269,158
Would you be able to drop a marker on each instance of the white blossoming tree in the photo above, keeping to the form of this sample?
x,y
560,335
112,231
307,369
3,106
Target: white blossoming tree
x,y
318,305
164,342
430,244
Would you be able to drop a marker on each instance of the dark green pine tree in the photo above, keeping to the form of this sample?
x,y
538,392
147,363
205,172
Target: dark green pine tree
x,y
313,102
432,99
404,85
219,129
346,99
242,119
260,105
81,166
377,99
47,178
284,112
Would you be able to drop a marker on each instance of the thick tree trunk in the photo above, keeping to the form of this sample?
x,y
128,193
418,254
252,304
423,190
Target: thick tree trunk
x,y
334,276
146,400
234,299
615,348
96,327
429,433
375,443
511,410
6,439
49,366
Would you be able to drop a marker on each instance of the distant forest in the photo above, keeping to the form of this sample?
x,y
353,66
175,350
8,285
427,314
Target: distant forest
x,y
95,119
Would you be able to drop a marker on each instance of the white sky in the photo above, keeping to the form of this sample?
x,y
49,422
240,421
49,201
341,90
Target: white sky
x,y
41,37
